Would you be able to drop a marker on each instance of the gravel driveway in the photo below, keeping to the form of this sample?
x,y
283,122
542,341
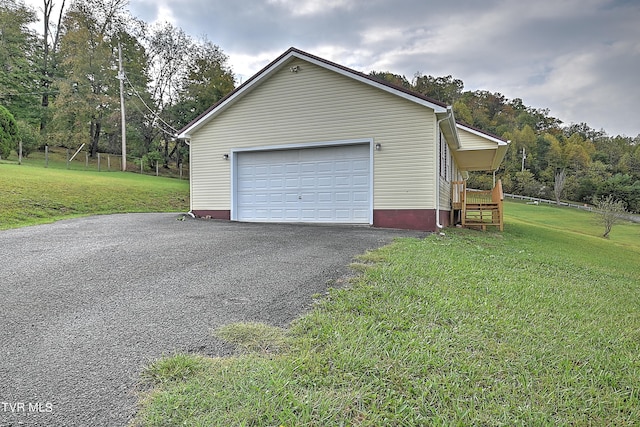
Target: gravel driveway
x,y
87,303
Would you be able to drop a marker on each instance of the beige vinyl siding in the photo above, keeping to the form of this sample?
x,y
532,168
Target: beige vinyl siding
x,y
470,141
319,105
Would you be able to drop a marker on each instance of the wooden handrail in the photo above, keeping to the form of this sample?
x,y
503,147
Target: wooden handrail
x,y
478,208
496,194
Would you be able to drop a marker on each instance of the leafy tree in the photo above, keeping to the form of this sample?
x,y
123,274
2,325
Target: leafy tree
x,y
208,80
526,139
462,112
18,76
630,162
445,89
29,135
523,183
623,188
610,212
578,151
394,79
89,93
8,132
589,181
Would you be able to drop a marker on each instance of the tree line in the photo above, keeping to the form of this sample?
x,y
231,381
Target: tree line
x,y
62,86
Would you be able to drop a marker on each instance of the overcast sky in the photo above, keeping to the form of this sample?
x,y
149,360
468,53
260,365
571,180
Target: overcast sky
x,y
579,58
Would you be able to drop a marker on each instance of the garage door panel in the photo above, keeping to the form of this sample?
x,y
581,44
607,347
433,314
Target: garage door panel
x,y
325,197
324,182
308,182
360,181
360,166
292,214
291,198
360,196
276,198
361,215
342,181
324,168
292,182
291,168
342,197
328,184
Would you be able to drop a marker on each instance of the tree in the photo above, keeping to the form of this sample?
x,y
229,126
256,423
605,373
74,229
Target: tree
x,y
610,211
445,89
89,93
18,76
394,79
208,80
49,58
168,49
29,136
558,185
8,132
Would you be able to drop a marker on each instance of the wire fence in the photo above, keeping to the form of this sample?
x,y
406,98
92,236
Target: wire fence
x,y
538,200
61,158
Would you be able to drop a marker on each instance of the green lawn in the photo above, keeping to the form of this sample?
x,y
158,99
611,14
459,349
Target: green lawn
x,y
34,195
538,325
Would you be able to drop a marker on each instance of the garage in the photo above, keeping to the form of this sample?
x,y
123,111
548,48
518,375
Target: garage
x,y
328,184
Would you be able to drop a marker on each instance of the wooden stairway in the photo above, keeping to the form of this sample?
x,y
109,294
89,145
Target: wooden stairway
x,y
477,208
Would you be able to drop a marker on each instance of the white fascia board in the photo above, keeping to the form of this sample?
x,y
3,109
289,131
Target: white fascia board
x,y
482,135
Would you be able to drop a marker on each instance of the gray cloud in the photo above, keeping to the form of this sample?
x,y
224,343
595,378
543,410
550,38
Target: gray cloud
x,y
580,58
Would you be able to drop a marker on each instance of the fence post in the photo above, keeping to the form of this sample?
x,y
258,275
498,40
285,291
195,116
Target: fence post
x,y
141,166
181,170
109,162
20,153
98,162
46,156
86,160
156,168
68,157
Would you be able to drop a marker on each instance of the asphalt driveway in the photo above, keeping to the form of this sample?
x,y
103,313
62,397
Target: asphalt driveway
x,y
85,304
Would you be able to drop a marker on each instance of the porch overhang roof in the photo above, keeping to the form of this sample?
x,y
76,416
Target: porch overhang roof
x,y
480,159
486,155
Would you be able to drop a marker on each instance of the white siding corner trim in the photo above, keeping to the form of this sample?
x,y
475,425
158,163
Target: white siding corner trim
x,y
357,202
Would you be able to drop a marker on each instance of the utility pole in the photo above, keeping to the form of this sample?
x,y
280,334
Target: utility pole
x,y
524,156
122,115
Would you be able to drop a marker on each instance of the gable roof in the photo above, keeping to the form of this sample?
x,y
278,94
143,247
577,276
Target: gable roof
x,y
280,62
469,159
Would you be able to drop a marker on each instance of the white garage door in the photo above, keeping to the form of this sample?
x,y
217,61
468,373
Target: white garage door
x,y
328,184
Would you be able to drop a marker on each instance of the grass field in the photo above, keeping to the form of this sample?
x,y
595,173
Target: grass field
x,y
538,325
34,195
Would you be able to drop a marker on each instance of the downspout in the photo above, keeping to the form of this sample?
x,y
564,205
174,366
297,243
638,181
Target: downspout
x,y
437,174
187,141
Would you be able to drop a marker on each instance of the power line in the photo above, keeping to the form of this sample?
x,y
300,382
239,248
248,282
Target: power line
x,y
155,114
29,93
